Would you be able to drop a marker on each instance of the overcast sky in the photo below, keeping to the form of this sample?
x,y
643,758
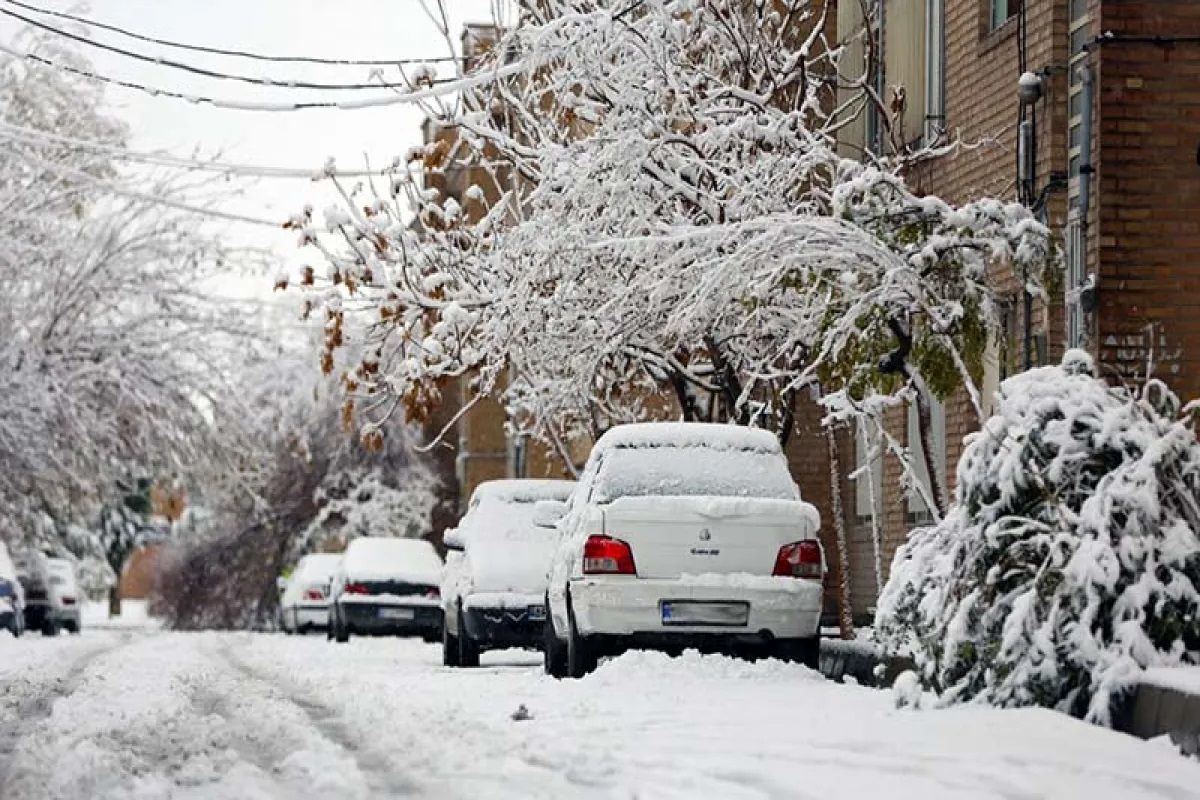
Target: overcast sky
x,y
360,29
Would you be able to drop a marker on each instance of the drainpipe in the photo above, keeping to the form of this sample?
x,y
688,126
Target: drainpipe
x,y
1086,100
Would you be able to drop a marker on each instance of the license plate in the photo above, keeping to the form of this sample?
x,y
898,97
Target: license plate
x,y
395,613
696,612
537,613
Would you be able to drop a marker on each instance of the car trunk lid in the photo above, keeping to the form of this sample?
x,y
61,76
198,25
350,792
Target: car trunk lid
x,y
674,536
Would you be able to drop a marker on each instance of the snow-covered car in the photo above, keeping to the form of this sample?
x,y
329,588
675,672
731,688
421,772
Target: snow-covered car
x,y
304,605
63,593
387,586
33,570
12,596
683,535
494,584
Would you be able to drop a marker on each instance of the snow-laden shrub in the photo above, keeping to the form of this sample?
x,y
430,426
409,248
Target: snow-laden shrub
x,y
1070,558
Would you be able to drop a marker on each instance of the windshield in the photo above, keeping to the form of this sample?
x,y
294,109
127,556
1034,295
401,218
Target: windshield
x,y
693,471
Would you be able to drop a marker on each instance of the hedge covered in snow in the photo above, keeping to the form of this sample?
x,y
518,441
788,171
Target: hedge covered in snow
x,y
1070,558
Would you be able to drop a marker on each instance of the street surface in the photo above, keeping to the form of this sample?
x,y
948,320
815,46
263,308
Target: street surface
x,y
139,713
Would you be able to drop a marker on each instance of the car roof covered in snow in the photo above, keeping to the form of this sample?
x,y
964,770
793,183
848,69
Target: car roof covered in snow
x,y
718,436
378,557
523,491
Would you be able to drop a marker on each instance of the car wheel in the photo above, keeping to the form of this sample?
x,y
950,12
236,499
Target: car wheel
x,y
14,628
468,648
449,648
799,651
581,654
341,632
554,652
49,627
74,628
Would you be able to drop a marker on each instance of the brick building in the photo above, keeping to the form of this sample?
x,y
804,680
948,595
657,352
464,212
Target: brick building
x,y
1123,192
1115,171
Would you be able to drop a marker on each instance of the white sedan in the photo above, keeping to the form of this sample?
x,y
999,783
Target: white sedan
x,y
494,585
305,602
683,535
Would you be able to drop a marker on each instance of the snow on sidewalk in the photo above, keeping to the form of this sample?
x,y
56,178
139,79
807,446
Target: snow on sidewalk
x,y
153,715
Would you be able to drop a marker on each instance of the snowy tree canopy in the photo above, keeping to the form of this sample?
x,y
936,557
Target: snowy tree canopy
x,y
113,350
1070,559
662,209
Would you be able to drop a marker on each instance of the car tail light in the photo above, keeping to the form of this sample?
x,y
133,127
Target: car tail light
x,y
355,588
799,560
604,555
433,593
314,594
68,601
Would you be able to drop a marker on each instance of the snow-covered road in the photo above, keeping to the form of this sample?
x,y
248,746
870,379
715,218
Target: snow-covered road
x,y
146,714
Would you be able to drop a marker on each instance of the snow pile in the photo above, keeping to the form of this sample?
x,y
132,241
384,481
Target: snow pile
x,y
689,471
693,665
378,558
1070,559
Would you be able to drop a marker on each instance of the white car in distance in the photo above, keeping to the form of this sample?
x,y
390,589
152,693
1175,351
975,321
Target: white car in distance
x,y
683,535
494,584
304,605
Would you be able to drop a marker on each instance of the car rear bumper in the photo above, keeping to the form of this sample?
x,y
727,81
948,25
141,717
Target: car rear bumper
x,y
505,627
311,616
632,607
374,618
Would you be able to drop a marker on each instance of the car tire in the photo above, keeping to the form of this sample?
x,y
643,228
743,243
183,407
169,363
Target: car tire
x,y
14,628
449,648
341,632
468,648
554,652
49,627
581,654
799,651
74,628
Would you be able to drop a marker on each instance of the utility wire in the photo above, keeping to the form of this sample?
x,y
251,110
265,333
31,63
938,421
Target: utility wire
x,y
234,53
33,136
203,71
441,88
111,188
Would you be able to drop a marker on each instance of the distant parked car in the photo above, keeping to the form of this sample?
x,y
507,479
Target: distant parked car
x,y
387,586
33,569
12,596
65,598
304,605
683,535
494,585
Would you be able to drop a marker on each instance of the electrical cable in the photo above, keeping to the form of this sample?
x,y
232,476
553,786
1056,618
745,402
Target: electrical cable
x,y
110,188
232,53
440,88
34,136
203,71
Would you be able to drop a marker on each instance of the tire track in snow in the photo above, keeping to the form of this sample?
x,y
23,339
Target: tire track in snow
x,y
381,776
26,702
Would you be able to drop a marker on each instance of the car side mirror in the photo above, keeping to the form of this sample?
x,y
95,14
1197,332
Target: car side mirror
x,y
547,513
281,583
452,539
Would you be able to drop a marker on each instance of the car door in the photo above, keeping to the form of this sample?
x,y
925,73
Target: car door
x,y
569,532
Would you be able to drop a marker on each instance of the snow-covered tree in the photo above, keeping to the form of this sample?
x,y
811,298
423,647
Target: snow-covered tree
x,y
664,212
1070,559
113,351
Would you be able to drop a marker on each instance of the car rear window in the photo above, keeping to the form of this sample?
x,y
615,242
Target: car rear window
x,y
691,472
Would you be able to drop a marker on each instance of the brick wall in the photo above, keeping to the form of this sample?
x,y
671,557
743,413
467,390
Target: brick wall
x,y
1147,204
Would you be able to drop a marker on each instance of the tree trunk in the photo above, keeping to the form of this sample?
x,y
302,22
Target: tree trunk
x,y
925,429
845,607
114,601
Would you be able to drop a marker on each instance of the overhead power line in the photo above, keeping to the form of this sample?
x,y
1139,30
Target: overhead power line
x,y
353,62
34,137
441,88
203,71
111,188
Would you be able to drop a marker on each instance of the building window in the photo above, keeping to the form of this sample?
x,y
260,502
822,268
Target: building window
x,y
1076,282
1003,11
